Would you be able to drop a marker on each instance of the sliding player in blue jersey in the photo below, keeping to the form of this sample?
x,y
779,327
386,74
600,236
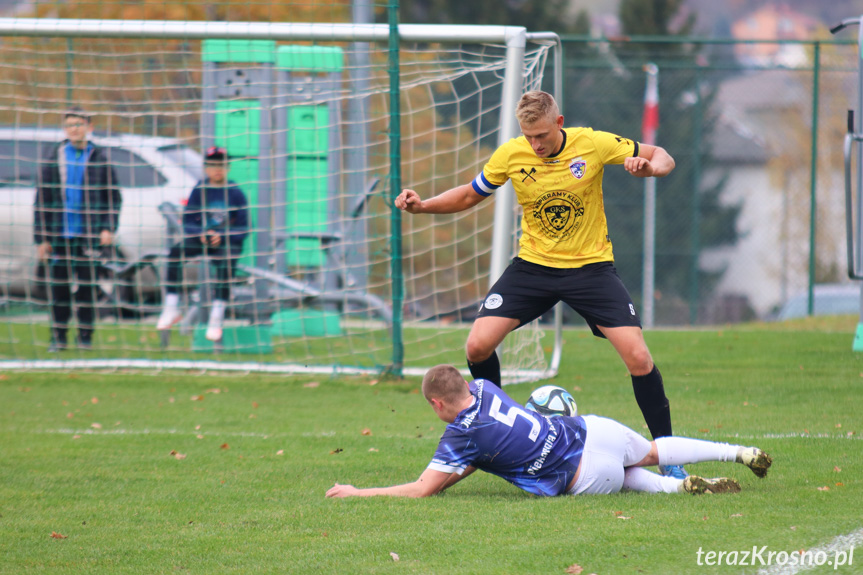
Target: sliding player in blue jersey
x,y
560,455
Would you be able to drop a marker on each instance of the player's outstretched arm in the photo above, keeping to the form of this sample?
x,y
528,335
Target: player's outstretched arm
x,y
431,482
652,161
451,201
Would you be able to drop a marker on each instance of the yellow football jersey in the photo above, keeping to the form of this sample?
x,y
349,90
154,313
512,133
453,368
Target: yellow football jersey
x,y
563,224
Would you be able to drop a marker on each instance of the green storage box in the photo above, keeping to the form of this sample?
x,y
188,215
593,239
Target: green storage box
x,y
305,322
238,127
237,339
246,51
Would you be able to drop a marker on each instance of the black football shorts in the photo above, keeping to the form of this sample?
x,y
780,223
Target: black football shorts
x,y
526,290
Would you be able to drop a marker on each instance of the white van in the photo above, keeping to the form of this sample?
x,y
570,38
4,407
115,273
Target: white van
x,y
150,170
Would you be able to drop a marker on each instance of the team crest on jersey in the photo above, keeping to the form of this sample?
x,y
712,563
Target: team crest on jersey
x,y
558,213
577,167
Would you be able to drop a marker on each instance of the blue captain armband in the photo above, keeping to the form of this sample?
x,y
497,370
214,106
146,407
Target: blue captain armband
x,y
482,186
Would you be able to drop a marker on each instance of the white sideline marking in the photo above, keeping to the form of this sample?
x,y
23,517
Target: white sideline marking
x,y
148,431
838,544
121,431
788,435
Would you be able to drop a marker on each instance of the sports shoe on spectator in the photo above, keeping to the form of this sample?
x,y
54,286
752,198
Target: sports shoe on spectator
x,y
169,317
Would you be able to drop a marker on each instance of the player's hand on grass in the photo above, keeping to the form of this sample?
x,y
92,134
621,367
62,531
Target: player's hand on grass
x,y
409,201
342,491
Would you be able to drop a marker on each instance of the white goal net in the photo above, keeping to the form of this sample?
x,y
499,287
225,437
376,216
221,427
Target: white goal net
x,y
307,128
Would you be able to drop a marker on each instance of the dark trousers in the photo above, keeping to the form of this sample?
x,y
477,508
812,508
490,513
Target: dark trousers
x,y
223,259
69,260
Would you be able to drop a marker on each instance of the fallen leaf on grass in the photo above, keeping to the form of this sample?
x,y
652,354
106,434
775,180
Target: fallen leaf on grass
x,y
177,455
56,535
336,450
224,446
624,517
574,569
840,484
94,400
837,469
824,488
280,452
373,450
395,556
366,431
254,405
196,398
96,425
311,384
214,390
737,515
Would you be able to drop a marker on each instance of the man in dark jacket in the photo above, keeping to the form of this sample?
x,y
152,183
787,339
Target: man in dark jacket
x,y
215,225
77,209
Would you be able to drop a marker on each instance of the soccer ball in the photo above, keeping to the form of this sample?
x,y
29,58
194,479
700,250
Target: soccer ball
x,y
551,400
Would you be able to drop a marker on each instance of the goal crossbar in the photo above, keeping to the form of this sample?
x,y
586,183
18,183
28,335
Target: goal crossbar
x,y
172,29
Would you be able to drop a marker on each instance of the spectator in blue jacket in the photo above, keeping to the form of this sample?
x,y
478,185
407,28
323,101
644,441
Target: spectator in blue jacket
x,y
215,225
76,212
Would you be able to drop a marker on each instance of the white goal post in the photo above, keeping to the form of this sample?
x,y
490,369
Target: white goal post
x,y
509,61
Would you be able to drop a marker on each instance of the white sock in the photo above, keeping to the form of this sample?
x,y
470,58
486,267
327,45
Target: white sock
x,y
217,313
640,479
172,300
683,450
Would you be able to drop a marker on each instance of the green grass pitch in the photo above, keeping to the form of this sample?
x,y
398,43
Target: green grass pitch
x,y
181,473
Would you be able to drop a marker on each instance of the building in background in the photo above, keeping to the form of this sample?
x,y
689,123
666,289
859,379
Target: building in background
x,y
773,22
762,145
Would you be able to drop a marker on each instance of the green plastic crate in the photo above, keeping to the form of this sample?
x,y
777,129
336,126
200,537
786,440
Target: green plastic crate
x,y
248,51
238,127
244,173
308,130
310,58
305,322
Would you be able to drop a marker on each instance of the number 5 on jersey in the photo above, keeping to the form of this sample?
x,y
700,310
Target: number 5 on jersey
x,y
508,418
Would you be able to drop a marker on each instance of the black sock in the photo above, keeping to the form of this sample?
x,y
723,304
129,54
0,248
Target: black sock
x,y
650,395
487,369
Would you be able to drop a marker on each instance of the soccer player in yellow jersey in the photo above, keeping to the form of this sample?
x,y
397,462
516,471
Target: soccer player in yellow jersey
x,y
565,253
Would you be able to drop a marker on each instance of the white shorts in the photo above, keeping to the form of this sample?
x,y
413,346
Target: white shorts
x,y
610,447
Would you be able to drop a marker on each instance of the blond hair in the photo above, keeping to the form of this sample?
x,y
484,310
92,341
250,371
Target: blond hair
x,y
535,106
444,382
